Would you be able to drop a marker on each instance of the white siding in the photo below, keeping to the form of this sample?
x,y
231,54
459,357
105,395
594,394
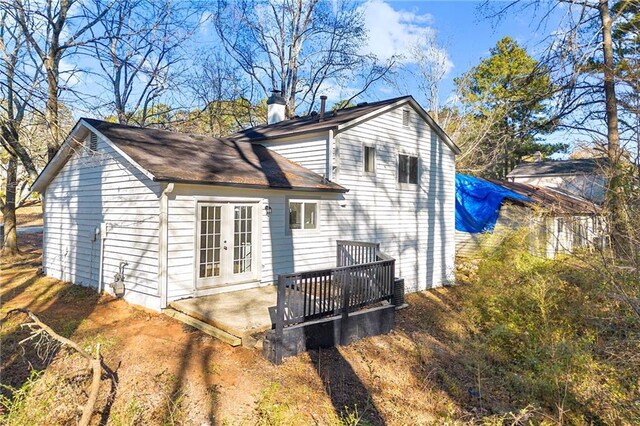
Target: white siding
x,y
281,251
414,223
96,188
308,151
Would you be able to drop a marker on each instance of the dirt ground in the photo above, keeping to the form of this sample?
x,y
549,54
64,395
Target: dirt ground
x,y
28,216
170,373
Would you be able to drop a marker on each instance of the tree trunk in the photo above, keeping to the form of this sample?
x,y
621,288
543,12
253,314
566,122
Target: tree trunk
x,y
53,116
615,185
10,246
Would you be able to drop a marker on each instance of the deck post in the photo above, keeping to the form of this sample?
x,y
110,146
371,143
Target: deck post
x,y
346,296
280,319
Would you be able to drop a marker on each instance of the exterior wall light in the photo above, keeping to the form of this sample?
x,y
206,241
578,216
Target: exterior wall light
x,y
267,210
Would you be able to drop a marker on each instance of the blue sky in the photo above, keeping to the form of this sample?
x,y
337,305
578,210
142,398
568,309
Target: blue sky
x,y
461,29
463,32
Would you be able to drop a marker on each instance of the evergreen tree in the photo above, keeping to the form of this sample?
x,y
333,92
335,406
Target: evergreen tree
x,y
505,99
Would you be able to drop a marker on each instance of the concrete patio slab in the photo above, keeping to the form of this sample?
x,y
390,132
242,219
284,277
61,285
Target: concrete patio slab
x,y
240,313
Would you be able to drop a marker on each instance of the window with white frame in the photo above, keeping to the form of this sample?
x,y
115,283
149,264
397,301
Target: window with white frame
x,y
407,169
303,214
369,158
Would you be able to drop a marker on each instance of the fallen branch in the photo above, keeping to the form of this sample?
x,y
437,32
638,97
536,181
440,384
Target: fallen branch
x,y
96,363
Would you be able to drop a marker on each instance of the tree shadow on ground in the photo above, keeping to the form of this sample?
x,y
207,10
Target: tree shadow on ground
x,y
349,396
62,306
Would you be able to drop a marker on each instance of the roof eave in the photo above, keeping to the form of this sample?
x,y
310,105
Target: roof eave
x,y
50,170
288,135
424,114
338,189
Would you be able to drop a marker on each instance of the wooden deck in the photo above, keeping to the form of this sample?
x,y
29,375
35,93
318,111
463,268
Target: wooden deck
x,y
242,313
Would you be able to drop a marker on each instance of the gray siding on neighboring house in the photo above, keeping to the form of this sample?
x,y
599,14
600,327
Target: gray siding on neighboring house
x,y
414,223
550,234
511,217
95,188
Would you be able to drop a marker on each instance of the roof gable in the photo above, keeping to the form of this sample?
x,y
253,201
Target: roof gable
x,y
338,121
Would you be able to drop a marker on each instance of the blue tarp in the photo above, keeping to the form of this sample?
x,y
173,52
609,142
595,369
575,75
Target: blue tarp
x,y
478,203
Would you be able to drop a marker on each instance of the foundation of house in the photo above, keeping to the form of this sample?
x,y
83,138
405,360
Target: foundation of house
x,y
243,314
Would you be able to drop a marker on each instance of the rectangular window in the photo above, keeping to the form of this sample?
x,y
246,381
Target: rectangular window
x,y
303,215
369,160
210,226
407,169
242,239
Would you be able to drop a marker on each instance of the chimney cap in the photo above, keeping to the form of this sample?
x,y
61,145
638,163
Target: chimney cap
x,y
323,97
276,98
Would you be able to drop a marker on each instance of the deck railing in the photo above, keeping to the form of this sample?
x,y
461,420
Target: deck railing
x,y
364,277
356,252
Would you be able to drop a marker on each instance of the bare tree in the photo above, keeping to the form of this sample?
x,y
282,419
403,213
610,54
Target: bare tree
x,y
432,64
138,48
223,97
21,77
581,58
298,47
55,28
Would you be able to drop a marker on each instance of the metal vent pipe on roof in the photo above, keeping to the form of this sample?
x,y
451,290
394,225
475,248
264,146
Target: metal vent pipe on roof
x,y
323,104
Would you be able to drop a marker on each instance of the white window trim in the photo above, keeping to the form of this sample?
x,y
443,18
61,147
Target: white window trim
x,y
288,230
406,185
204,285
375,159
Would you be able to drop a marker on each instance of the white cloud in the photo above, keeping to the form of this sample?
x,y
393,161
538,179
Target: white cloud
x,y
394,32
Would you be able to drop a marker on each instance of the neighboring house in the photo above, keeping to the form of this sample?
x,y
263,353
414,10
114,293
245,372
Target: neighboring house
x,y
183,216
583,177
558,222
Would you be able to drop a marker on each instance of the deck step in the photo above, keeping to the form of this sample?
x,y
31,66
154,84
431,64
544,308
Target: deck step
x,y
204,327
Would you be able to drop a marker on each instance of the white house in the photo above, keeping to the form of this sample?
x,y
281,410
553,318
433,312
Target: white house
x,y
184,216
557,222
584,177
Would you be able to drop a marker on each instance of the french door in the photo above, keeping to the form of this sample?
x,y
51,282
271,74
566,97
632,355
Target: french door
x,y
227,244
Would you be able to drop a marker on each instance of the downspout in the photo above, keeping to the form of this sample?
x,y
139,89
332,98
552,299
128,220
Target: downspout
x,y
330,172
163,251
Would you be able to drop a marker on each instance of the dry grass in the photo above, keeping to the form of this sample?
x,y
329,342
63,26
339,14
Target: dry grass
x,y
430,370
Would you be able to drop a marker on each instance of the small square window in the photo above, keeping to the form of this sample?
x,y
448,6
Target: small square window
x,y
369,160
405,117
303,215
407,169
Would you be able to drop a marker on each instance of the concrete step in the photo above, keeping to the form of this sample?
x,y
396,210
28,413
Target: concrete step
x,y
204,327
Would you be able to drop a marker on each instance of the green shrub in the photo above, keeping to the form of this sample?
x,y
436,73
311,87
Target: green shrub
x,y
553,334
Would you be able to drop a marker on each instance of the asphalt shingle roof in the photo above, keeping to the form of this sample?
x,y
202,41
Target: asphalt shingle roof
x,y
311,123
179,157
550,199
560,167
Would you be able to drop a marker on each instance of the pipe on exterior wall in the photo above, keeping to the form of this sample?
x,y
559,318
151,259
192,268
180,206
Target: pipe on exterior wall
x,y
103,237
163,252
